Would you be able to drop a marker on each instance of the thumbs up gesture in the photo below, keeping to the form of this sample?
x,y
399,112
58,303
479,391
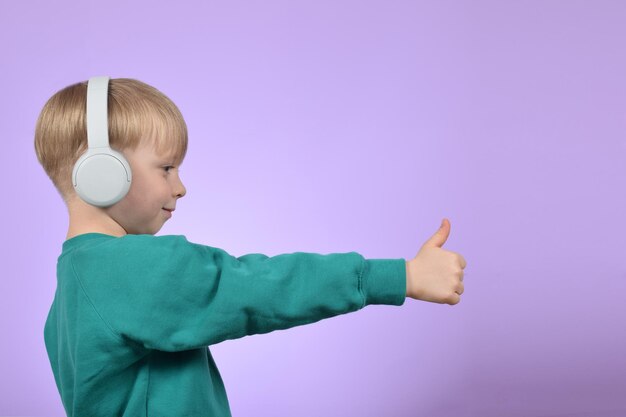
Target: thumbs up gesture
x,y
436,274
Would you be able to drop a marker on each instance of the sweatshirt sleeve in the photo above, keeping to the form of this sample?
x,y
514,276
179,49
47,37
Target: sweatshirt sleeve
x,y
166,293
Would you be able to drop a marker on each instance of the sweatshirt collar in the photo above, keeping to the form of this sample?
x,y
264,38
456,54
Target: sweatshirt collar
x,y
80,239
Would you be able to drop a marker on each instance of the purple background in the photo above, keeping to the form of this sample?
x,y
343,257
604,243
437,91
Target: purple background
x,y
332,126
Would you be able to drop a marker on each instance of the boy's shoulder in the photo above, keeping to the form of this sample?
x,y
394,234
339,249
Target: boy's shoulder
x,y
103,256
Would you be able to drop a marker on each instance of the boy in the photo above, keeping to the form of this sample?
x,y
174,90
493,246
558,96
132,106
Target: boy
x,y
133,314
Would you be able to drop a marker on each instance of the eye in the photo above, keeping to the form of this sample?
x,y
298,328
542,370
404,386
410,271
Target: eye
x,y
166,168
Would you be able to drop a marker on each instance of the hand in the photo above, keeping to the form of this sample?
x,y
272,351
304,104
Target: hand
x,y
436,274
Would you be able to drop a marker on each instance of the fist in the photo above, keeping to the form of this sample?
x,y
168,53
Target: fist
x,y
436,274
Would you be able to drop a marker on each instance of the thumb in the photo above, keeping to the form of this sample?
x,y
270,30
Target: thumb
x,y
441,235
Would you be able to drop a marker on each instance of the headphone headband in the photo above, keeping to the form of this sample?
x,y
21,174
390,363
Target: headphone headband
x,y
97,102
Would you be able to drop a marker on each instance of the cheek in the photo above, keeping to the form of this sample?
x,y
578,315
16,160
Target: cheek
x,y
137,199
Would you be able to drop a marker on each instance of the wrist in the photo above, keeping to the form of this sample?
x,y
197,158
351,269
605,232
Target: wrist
x,y
408,281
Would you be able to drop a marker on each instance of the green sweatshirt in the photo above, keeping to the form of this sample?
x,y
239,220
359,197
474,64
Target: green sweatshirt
x,y
132,317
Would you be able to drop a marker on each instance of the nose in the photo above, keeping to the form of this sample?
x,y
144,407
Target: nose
x,y
180,189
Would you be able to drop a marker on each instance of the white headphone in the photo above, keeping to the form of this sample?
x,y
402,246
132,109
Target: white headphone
x,y
101,176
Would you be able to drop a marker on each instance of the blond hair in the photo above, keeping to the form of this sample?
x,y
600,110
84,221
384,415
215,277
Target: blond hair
x,y
136,112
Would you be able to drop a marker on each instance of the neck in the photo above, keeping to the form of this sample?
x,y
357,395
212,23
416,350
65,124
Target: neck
x,y
85,218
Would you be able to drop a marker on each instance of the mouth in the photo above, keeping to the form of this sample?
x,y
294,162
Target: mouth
x,y
170,210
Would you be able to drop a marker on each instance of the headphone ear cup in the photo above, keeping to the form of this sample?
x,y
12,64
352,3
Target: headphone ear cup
x,y
102,177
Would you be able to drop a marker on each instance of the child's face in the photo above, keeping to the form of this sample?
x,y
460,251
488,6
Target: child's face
x,y
155,185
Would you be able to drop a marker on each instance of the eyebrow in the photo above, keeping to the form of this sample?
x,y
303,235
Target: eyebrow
x,y
166,159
